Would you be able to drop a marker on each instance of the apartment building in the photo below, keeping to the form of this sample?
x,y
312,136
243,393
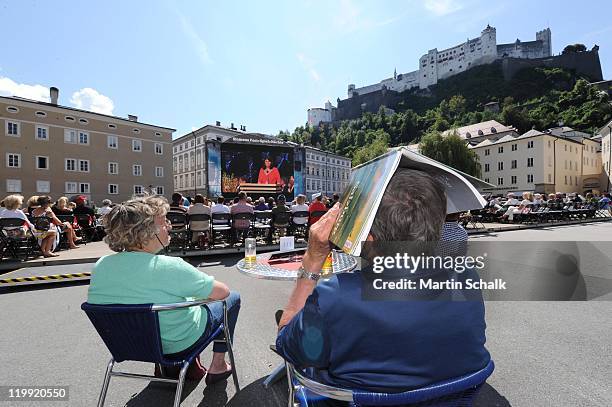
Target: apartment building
x,y
325,172
605,135
57,150
541,162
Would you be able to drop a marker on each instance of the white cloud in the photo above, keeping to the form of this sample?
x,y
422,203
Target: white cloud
x,y
90,99
8,87
198,43
351,18
442,7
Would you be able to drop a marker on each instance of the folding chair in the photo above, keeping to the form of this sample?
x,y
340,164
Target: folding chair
x,y
242,229
281,221
87,226
221,225
300,228
178,233
131,332
197,226
263,225
459,391
13,240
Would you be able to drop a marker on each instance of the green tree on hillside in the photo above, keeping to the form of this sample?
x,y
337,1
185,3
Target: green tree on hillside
x,y
452,151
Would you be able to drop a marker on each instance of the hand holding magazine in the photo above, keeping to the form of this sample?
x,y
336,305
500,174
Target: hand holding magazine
x,y
369,181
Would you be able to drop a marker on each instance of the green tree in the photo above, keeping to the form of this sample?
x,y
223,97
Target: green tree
x,y
574,48
452,151
378,146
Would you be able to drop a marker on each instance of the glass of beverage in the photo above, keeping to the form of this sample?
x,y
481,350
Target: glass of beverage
x,y
250,252
328,267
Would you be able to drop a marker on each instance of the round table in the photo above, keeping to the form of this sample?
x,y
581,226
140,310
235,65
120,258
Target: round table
x,y
286,267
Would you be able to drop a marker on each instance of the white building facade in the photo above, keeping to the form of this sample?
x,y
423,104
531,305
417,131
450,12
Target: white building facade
x,y
606,154
325,172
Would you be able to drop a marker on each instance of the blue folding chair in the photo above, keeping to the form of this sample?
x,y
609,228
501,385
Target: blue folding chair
x,y
459,391
131,332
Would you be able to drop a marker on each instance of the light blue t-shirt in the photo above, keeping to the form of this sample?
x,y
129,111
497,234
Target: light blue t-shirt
x,y
144,278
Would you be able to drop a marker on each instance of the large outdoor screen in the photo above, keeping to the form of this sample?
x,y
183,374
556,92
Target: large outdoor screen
x,y
241,163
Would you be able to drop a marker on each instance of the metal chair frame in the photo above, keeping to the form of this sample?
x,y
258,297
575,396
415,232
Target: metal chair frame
x,y
14,244
159,357
221,228
446,390
199,217
179,232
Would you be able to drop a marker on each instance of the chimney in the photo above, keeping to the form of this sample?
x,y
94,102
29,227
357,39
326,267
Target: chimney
x,y
132,118
218,123
232,127
54,94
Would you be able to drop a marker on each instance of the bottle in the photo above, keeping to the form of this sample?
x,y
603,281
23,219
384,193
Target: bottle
x,y
250,252
328,266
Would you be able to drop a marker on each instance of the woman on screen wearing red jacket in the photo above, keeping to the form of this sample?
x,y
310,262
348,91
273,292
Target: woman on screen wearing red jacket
x,y
268,174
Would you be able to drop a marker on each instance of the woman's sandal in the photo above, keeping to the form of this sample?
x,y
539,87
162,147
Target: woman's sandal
x,y
212,378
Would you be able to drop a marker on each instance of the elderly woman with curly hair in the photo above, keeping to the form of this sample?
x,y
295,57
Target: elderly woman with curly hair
x,y
137,230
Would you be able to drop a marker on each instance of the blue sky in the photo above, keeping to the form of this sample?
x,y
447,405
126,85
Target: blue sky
x,y
183,64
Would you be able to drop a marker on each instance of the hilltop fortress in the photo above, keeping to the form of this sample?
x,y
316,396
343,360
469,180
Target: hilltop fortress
x,y
437,65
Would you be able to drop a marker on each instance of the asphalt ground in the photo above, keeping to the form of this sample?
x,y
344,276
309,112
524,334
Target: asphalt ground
x,y
546,353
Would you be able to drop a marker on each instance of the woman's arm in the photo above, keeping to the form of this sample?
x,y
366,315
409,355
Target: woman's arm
x,y
54,218
219,291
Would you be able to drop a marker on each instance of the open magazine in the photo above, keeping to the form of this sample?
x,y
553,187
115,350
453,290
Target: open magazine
x,y
369,181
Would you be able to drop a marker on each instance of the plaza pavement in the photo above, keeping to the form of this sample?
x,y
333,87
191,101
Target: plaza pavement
x,y
546,353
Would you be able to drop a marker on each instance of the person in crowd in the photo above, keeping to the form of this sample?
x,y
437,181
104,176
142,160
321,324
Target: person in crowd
x,y
48,236
605,203
537,200
317,205
261,204
335,199
280,207
71,206
12,209
177,204
81,208
219,207
137,230
187,201
241,207
200,208
31,204
106,207
249,200
271,203
358,349
300,206
268,173
61,207
511,201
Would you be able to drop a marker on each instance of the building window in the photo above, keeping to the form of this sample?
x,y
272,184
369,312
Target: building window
x,y
83,121
113,168
530,144
565,147
13,185
136,131
138,189
70,164
70,136
137,170
41,114
69,119
500,181
12,109
486,167
487,151
112,142
548,143
84,187
513,164
159,172
71,187
43,186
42,133
530,162
158,134
500,166
137,145
112,126
13,160
566,180
12,129
514,147
486,179
513,179
42,163
529,178
113,189
84,165
500,149
575,180
83,137
159,190
159,148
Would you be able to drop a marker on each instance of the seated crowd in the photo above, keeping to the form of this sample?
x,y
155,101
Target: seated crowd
x,y
48,226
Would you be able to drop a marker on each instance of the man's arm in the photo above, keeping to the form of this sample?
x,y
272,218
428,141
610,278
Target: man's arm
x,y
316,253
